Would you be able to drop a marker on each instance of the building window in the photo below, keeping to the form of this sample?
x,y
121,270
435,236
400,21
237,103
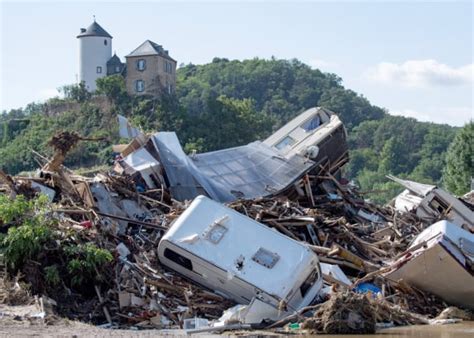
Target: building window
x,y
105,42
168,67
141,64
139,85
99,70
117,69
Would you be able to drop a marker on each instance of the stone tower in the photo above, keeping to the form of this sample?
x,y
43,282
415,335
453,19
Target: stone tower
x,y
95,49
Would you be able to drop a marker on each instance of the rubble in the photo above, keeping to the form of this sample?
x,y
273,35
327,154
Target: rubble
x,y
116,226
343,313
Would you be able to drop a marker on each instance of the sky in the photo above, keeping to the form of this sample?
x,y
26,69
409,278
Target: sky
x,y
412,58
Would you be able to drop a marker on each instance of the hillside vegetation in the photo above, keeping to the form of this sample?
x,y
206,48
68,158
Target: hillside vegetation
x,y
228,103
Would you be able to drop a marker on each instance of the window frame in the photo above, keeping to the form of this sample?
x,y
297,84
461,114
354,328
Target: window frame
x,y
287,141
98,70
137,86
139,62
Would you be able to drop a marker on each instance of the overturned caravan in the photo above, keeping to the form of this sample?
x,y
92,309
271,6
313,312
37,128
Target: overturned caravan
x,y
440,261
318,134
240,258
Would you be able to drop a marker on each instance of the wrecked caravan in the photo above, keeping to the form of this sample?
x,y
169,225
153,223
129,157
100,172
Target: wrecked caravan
x,y
430,202
240,258
441,261
316,133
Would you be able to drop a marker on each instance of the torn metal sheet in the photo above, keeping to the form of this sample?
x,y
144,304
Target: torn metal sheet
x,y
44,190
250,171
109,204
419,189
143,162
180,174
126,130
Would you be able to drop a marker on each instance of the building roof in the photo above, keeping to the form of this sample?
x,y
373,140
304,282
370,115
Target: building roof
x,y
150,48
114,60
94,30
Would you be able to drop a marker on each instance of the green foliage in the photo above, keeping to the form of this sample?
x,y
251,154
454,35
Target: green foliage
x,y
228,123
278,88
19,209
459,170
113,87
399,146
28,230
24,242
85,262
51,275
376,186
76,92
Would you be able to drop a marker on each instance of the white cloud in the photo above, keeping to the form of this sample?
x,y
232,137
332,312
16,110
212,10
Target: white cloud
x,y
454,116
421,73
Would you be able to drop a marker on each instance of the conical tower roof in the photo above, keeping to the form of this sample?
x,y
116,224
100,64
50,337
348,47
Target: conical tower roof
x,y
94,30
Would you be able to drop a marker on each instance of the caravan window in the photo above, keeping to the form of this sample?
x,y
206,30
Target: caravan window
x,y
312,123
178,259
309,282
438,205
287,141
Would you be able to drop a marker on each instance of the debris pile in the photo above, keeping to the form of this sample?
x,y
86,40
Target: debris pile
x,y
343,313
95,251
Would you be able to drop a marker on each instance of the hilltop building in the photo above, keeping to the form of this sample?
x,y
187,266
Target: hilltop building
x,y
149,69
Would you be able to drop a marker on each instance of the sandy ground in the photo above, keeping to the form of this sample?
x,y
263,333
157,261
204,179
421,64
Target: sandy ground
x,y
22,321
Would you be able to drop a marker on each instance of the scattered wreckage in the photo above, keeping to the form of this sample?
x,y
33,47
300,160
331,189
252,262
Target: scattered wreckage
x,y
291,244
429,201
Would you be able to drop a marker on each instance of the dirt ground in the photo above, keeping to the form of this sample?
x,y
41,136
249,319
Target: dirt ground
x,y
23,321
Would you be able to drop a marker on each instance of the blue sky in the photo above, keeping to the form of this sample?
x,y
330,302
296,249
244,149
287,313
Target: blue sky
x,y
412,58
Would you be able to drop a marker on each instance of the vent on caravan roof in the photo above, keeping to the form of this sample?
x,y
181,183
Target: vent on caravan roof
x,y
266,258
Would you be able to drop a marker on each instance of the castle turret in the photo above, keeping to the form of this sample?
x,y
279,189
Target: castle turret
x,y
95,49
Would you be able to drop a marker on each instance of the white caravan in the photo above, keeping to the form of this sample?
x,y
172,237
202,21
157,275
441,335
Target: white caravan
x,y
316,133
441,261
429,202
240,258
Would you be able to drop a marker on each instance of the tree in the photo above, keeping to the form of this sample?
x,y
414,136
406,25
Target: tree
x,y
393,157
76,92
113,87
459,169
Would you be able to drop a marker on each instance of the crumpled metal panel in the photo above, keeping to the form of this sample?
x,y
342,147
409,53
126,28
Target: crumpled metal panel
x,y
250,171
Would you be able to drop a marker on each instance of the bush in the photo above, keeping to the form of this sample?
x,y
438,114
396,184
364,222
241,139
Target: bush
x,y
27,238
85,262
